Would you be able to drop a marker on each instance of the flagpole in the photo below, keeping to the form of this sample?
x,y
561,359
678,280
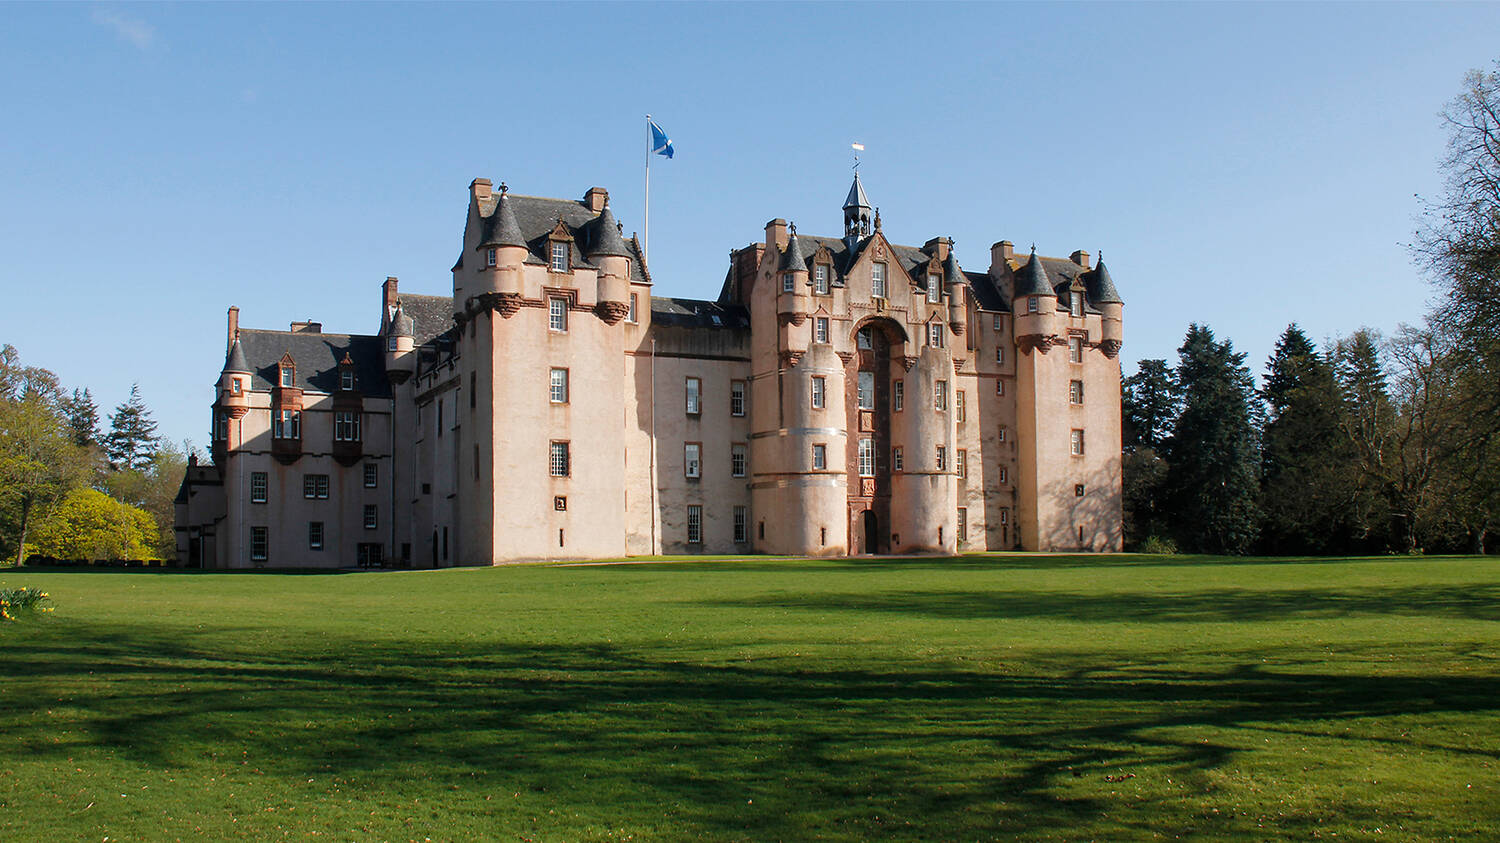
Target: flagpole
x,y
646,227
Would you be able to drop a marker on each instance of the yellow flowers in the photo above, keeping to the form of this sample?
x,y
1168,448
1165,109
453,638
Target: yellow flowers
x,y
14,600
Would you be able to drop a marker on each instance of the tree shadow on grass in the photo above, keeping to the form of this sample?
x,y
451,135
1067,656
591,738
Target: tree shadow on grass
x,y
779,748
1035,562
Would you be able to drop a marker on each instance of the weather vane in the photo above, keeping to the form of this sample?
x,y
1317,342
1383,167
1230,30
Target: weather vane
x,y
858,148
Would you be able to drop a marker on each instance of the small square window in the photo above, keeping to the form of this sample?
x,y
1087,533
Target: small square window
x,y
631,317
288,376
942,458
819,457
346,379
1075,349
259,544
692,459
560,503
898,396
788,282
490,256
897,461
1004,475
738,459
1033,304
1075,442
1075,392
999,387
819,386
935,334
995,325
1075,303
1000,436
1000,354
1078,490
234,386
820,329
820,279
940,396
372,517
257,487
315,535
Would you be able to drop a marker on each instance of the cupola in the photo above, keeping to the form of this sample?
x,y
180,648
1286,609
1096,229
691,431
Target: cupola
x,y
857,212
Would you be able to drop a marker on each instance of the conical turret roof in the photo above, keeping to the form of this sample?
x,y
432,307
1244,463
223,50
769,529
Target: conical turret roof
x,y
1102,287
501,228
792,260
607,241
1032,280
235,361
401,324
857,198
951,273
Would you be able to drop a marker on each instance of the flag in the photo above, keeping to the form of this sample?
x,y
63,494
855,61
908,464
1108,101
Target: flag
x,y
660,143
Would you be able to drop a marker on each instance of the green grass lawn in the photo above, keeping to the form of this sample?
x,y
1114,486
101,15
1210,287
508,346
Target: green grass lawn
x,y
1066,698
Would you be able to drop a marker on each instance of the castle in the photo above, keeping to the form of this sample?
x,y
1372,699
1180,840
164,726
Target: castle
x,y
842,395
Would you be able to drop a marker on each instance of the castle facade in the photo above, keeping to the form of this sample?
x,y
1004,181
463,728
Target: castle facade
x,y
842,395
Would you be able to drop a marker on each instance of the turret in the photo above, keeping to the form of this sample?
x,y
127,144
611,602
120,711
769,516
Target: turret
x,y
1034,303
1102,292
502,250
924,507
607,250
400,360
953,279
234,382
807,514
791,281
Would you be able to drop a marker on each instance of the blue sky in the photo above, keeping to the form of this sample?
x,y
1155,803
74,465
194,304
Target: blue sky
x,y
1242,166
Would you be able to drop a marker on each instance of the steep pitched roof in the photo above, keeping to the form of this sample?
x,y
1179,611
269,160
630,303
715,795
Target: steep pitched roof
x,y
605,239
1101,287
317,357
402,325
501,228
695,313
235,362
537,217
432,315
792,260
1031,280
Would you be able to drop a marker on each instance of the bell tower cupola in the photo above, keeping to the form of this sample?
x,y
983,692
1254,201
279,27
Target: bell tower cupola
x,y
857,212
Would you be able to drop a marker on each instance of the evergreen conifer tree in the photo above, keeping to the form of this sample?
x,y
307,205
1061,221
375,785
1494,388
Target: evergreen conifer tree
x,y
83,417
1150,404
1212,452
132,434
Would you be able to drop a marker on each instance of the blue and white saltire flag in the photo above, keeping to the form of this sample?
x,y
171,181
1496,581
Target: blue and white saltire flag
x,y
660,143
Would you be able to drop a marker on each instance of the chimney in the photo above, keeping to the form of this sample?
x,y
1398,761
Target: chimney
x,y
1000,253
480,190
938,247
776,235
308,327
234,328
596,199
1081,258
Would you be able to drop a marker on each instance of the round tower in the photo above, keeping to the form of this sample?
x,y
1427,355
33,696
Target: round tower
x,y
1034,304
791,276
234,382
1104,295
953,279
607,250
502,250
924,493
400,357
805,510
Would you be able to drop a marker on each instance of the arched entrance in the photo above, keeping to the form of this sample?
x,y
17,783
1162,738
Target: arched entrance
x,y
880,346
870,531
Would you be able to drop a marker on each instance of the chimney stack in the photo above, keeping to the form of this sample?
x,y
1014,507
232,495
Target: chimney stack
x,y
596,199
480,189
234,328
1081,258
776,235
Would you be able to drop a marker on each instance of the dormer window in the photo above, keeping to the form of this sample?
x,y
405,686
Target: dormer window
x,y
288,375
788,282
490,258
346,379
877,281
820,279
559,256
934,289
1075,303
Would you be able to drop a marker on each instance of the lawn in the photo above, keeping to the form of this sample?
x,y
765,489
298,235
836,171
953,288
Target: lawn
x,y
1040,697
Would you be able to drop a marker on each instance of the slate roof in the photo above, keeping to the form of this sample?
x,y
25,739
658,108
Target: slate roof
x,y
793,259
537,216
605,238
1032,280
695,313
501,228
432,314
235,362
402,325
1101,287
317,357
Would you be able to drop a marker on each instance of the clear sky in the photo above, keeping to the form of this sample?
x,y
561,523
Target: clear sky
x,y
1240,165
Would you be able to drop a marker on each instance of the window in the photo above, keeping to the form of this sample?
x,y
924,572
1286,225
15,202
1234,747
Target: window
x,y
390,343
259,542
866,391
346,426
1000,354
473,389
692,459
476,464
557,314
862,338
940,396
866,458
560,503
897,462
819,384
346,379
963,523
820,279
877,280
934,289
736,398
741,524
1078,490
737,459
996,325
788,282
961,463
820,329
631,317
898,396
1075,442
372,516
221,426
559,256
257,487
695,524
1075,392
1004,475
819,457
315,535
557,388
1075,349
315,486
286,424
287,375
1075,303
1000,437
490,256
935,334
999,387
1033,304
694,396
942,458
960,406
234,386
1004,516
440,417
372,475
558,462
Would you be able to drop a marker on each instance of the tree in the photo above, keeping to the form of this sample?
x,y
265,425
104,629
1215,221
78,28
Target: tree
x,y
132,438
1382,458
1150,404
89,524
1212,452
39,461
1306,477
83,417
154,490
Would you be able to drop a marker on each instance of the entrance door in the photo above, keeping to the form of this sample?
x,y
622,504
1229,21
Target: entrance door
x,y
871,532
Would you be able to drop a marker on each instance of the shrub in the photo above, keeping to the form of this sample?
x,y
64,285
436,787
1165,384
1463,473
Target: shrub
x,y
14,601
1158,546
91,525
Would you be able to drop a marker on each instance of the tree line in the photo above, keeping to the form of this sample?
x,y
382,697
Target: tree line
x,y
72,490
1370,444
